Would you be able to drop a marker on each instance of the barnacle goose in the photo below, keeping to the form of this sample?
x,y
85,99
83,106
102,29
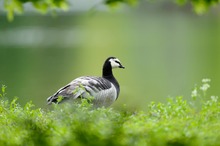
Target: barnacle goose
x,y
105,89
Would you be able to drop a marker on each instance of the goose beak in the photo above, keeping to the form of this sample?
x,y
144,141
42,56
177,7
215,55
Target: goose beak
x,y
121,67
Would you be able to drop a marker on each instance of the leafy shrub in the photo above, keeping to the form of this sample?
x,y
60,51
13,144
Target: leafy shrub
x,y
176,122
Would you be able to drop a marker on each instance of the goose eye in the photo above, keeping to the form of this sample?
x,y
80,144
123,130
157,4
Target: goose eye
x,y
117,62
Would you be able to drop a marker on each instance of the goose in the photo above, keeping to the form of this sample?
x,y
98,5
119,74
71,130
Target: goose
x,y
104,90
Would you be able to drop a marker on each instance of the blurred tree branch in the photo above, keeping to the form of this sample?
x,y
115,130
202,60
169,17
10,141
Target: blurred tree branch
x,y
17,6
199,6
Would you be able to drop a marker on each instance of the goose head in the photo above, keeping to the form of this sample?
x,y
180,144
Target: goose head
x,y
111,63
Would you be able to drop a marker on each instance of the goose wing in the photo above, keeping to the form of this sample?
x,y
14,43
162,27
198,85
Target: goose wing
x,y
83,86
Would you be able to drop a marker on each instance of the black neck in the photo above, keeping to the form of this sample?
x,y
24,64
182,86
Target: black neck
x,y
107,74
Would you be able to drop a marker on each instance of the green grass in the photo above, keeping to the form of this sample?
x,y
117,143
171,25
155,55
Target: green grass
x,y
177,122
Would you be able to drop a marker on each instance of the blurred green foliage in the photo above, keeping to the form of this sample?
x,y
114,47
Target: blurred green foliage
x,y
176,122
116,2
17,6
201,6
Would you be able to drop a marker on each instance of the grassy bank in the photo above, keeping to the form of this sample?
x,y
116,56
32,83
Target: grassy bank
x,y
176,122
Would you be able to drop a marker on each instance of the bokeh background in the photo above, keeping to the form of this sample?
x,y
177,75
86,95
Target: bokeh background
x,y
166,49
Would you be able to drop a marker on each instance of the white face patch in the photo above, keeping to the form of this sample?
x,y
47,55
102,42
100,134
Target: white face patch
x,y
114,63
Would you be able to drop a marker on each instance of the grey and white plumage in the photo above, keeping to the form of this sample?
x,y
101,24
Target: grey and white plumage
x,y
105,89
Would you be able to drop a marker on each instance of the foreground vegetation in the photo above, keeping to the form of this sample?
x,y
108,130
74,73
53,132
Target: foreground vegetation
x,y
176,122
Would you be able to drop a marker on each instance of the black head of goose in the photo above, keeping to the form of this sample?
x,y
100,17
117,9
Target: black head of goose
x,y
105,89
